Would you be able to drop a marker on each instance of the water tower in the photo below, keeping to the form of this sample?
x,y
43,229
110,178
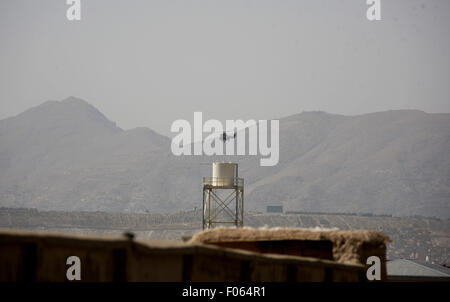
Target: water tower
x,y
223,197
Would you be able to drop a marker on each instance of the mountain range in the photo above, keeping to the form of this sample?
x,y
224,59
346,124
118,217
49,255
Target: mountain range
x,y
66,155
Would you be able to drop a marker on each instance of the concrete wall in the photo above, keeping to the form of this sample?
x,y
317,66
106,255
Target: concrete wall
x,y
40,257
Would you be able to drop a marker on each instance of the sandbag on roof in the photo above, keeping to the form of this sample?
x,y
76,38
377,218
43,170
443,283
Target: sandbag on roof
x,y
349,246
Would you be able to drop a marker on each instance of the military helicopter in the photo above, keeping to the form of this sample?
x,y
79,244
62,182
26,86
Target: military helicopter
x,y
224,137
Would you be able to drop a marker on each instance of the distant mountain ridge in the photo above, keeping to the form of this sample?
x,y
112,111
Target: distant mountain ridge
x,y
66,155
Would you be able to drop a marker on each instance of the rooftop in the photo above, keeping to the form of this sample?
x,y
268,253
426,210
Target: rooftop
x,y
415,268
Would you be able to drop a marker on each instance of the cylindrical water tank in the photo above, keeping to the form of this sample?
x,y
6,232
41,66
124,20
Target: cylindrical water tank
x,y
223,174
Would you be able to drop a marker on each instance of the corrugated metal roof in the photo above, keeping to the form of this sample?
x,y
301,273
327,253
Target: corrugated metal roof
x,y
414,268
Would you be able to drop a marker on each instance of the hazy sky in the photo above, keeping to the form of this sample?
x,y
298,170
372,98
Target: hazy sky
x,y
147,63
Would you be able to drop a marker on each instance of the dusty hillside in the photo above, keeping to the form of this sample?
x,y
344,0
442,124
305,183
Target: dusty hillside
x,y
68,156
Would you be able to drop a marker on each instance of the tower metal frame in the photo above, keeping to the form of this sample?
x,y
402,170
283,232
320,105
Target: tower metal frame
x,y
216,208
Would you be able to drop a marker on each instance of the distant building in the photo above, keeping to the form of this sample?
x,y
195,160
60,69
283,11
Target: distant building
x,y
274,209
414,270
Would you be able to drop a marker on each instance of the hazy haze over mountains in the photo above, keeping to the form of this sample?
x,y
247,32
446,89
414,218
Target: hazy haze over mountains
x,y
68,156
